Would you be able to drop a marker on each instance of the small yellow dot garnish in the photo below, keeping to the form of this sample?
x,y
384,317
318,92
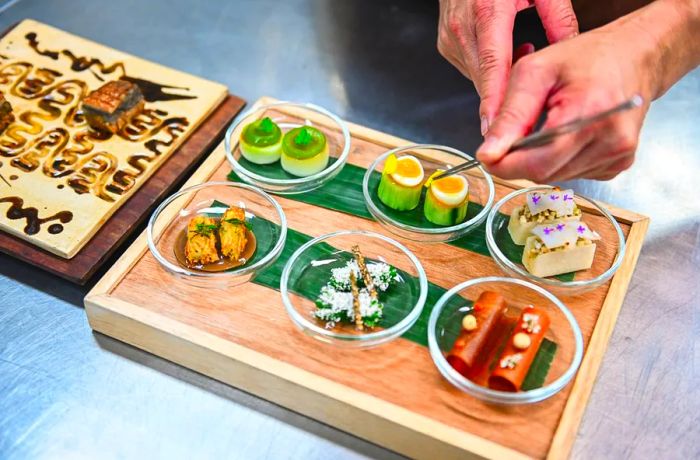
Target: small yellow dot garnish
x,y
521,341
469,322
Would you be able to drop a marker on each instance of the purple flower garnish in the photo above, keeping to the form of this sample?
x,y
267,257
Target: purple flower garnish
x,y
560,227
535,199
553,197
548,230
568,197
581,229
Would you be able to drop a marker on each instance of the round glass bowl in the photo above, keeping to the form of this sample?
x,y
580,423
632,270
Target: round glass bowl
x,y
309,270
444,326
168,224
288,115
412,224
610,249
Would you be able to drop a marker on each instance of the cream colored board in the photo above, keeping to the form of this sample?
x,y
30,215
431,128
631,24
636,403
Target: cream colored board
x,y
46,156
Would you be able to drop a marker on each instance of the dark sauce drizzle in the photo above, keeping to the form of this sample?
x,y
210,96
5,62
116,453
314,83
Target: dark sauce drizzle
x,y
31,216
152,91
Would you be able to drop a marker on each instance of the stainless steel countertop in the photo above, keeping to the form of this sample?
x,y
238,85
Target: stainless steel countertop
x,y
68,393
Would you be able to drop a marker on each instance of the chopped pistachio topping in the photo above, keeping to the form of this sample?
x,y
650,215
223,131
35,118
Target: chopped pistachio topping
x,y
545,216
540,248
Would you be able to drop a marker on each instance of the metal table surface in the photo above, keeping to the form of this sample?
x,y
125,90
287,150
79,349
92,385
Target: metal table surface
x,y
68,393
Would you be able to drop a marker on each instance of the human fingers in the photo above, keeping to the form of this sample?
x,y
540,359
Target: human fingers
x,y
611,151
522,51
530,83
494,47
558,19
456,42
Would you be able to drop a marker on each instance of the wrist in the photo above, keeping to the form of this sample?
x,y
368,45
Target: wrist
x,y
664,36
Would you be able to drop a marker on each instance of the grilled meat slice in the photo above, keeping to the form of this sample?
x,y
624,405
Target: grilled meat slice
x,y
111,106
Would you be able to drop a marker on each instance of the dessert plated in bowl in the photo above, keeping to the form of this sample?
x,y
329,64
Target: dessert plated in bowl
x,y
287,147
555,238
403,192
217,234
504,340
353,289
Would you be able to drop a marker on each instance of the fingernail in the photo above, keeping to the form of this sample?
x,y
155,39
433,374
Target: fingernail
x,y
492,149
484,125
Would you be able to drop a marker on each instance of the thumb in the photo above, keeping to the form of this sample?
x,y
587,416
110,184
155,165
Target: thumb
x,y
558,19
526,96
494,44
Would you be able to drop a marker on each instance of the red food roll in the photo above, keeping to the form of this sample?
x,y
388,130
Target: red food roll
x,y
520,350
468,351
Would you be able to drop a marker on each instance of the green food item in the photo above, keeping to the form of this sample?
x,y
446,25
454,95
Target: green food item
x,y
397,196
205,229
539,368
440,214
303,142
261,133
344,194
239,222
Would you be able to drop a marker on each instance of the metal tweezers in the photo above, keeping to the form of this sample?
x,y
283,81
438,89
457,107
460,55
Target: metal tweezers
x,y
547,136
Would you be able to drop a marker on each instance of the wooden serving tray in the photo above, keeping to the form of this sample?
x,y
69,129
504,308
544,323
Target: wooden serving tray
x,y
392,395
128,217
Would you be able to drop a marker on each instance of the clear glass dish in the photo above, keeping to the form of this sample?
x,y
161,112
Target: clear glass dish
x,y
411,224
264,216
309,270
445,322
288,115
610,249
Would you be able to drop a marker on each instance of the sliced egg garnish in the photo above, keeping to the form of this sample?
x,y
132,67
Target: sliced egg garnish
x,y
451,190
408,171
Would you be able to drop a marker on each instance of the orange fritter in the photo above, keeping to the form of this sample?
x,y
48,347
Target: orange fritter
x,y
232,233
200,248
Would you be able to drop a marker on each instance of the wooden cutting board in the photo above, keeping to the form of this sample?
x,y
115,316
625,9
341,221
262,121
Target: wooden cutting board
x,y
61,181
392,395
131,214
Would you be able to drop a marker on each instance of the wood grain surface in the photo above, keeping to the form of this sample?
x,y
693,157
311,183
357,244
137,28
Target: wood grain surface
x,y
137,209
61,180
392,395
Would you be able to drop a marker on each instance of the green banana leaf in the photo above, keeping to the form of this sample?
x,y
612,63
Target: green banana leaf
x,y
396,305
344,194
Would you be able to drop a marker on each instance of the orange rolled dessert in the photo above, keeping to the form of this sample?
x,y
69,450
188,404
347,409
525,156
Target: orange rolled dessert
x,y
470,349
520,350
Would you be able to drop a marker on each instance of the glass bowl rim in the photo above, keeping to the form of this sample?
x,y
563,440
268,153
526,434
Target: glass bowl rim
x,y
327,172
476,220
504,397
379,336
274,252
494,249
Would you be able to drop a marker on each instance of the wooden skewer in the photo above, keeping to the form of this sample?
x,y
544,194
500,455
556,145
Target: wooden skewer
x,y
363,271
359,325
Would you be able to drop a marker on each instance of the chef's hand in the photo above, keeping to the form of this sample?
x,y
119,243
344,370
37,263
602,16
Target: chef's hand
x,y
572,79
476,36
643,53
